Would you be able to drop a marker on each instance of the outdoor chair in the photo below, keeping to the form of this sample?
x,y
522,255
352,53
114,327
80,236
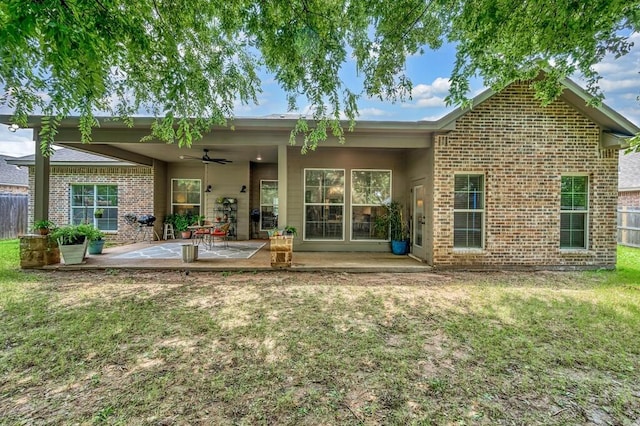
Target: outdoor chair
x,y
221,233
202,234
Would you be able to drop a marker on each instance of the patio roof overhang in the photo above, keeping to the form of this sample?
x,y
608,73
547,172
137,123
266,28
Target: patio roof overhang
x,y
241,140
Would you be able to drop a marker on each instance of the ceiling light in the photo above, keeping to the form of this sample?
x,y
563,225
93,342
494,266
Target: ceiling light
x,y
13,127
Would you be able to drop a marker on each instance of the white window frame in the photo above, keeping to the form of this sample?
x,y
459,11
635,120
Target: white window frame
x,y
199,204
305,204
94,220
482,211
367,205
586,213
274,205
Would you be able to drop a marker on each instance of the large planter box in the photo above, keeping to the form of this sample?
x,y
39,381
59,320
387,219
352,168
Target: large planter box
x,y
73,254
281,251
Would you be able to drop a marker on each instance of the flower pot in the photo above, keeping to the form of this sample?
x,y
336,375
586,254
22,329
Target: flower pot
x,y
399,247
73,254
95,246
43,231
186,234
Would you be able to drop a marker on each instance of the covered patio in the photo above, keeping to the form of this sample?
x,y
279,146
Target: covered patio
x,y
148,256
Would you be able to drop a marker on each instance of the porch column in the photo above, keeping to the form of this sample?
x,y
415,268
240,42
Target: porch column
x,y
41,182
282,186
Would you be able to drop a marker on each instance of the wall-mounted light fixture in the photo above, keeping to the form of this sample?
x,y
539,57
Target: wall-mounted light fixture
x,y
244,188
13,127
209,188
259,157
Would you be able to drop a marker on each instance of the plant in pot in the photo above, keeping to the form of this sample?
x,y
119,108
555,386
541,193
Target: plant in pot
x,y
290,230
197,219
392,221
181,223
43,227
98,213
170,218
96,239
72,241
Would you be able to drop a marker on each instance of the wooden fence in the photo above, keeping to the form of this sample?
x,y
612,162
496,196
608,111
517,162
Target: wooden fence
x,y
629,227
13,215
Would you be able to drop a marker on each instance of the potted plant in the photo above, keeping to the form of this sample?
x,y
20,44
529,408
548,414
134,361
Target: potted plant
x,y
392,221
197,219
182,223
72,242
170,218
96,239
43,226
281,246
98,213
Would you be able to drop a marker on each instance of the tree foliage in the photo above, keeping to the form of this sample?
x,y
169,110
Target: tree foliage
x,y
190,62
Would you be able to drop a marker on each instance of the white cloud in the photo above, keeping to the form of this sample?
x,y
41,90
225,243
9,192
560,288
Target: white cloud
x,y
429,95
432,102
621,74
440,86
609,85
16,144
365,113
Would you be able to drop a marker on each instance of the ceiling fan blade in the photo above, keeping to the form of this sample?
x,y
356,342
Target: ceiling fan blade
x,y
188,157
206,159
222,161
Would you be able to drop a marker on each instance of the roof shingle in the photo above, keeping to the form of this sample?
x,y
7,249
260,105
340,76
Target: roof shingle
x,y
629,171
12,175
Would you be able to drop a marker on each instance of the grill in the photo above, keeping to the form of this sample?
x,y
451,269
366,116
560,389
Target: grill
x,y
146,219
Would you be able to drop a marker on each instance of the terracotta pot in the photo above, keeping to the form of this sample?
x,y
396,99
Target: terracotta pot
x,y
43,231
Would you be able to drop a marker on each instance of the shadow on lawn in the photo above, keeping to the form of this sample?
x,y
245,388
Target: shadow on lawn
x,y
289,355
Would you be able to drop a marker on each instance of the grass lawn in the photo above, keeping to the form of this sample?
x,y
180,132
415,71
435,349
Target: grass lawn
x,y
296,348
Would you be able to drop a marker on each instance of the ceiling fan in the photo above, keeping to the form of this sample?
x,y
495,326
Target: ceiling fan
x,y
206,159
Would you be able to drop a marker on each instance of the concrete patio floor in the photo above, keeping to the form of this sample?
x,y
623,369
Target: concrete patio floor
x,y
260,261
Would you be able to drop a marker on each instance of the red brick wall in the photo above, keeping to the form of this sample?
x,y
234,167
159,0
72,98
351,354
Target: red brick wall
x,y
13,189
523,149
629,199
135,192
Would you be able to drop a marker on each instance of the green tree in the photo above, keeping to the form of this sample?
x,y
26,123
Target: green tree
x,y
188,62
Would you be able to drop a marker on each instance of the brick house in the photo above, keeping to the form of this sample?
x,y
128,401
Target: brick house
x,y
13,180
629,181
80,183
508,183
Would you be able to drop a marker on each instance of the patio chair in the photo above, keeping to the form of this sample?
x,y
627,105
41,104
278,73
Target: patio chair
x,y
202,235
221,233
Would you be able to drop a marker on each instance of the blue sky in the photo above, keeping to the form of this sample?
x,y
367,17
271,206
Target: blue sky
x,y
429,74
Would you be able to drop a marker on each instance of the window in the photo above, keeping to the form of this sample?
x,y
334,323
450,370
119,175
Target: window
x,y
574,207
268,204
324,204
185,196
86,200
468,211
370,189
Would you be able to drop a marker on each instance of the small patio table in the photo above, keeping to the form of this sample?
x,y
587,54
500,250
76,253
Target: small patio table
x,y
203,234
